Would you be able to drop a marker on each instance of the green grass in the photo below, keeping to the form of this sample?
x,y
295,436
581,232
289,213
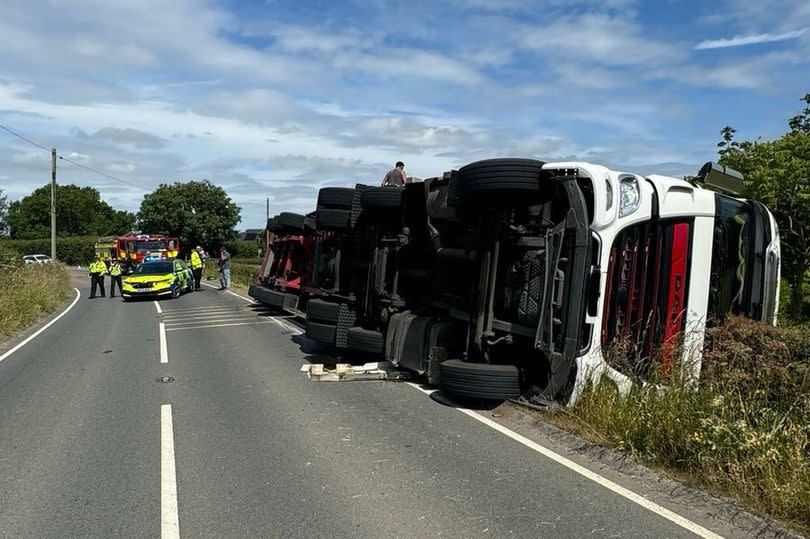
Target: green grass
x,y
744,432
30,292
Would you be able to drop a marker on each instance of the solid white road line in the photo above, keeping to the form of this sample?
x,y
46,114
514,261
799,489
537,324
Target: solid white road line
x,y
43,328
164,352
284,325
249,300
169,522
586,473
218,325
157,306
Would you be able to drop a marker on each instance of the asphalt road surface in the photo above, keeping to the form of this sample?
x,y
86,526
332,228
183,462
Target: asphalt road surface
x,y
93,443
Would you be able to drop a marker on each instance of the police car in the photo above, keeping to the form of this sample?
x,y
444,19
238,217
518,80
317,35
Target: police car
x,y
161,278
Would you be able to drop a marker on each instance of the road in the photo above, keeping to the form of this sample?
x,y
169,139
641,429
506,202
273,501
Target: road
x,y
93,443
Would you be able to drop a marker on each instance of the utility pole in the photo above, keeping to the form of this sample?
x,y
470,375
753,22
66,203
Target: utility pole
x,y
267,212
53,204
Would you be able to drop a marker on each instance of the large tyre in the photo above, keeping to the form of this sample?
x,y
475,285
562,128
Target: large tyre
x,y
499,175
295,221
365,340
329,219
324,333
339,198
478,380
272,298
323,311
381,198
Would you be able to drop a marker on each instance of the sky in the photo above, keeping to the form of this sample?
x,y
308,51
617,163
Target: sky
x,y
278,98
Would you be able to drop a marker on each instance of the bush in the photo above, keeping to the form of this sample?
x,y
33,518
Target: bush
x,y
242,249
29,292
9,258
744,431
72,251
241,274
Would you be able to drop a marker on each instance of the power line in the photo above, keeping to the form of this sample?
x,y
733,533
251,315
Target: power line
x,y
63,158
29,141
99,173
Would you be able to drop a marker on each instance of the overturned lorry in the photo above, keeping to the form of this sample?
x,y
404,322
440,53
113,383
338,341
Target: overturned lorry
x,y
512,277
286,271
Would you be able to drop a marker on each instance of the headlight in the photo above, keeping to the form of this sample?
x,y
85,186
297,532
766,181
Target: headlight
x,y
629,196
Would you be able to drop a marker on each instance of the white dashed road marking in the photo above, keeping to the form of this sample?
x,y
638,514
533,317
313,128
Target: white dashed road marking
x,y
169,522
164,352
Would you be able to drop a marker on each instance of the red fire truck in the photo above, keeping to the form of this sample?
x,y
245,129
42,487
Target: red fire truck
x,y
133,248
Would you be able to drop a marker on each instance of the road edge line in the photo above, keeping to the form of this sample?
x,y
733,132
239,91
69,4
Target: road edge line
x,y
157,306
164,350
626,493
290,328
169,521
43,328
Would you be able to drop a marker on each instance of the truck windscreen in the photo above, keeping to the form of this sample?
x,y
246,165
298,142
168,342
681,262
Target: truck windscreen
x,y
149,245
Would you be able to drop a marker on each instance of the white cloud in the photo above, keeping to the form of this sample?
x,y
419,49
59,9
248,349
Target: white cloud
x,y
121,167
754,39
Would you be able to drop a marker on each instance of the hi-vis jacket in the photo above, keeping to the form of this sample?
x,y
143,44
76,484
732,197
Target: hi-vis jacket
x,y
115,270
196,261
98,267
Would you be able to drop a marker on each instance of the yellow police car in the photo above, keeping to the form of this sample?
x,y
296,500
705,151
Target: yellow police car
x,y
161,278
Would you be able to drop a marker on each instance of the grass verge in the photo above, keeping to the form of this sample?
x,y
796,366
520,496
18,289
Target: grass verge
x,y
241,274
744,433
30,292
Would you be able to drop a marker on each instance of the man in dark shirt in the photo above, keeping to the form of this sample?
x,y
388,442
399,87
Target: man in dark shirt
x,y
395,177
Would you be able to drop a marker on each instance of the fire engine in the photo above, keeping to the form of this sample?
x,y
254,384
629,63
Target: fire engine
x,y
133,248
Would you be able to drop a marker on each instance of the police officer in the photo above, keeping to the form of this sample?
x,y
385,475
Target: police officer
x,y
97,270
115,278
197,266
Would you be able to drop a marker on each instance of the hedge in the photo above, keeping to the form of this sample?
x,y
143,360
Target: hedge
x,y
242,249
70,250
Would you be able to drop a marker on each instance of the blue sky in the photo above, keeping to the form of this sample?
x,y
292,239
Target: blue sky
x,y
279,98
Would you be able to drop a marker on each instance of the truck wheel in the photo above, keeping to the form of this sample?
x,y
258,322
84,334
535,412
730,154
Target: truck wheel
x,y
272,298
329,219
365,340
478,380
381,198
295,221
499,175
338,198
323,311
324,333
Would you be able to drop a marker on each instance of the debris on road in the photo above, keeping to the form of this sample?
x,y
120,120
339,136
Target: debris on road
x,y
343,372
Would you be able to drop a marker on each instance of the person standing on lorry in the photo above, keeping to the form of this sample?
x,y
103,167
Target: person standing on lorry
x,y
224,269
395,177
197,266
115,278
97,270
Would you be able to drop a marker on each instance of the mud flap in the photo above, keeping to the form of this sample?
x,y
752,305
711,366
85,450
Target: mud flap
x,y
412,341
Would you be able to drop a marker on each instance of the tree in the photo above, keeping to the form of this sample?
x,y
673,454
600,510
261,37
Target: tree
x,y
777,173
198,212
79,212
3,214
